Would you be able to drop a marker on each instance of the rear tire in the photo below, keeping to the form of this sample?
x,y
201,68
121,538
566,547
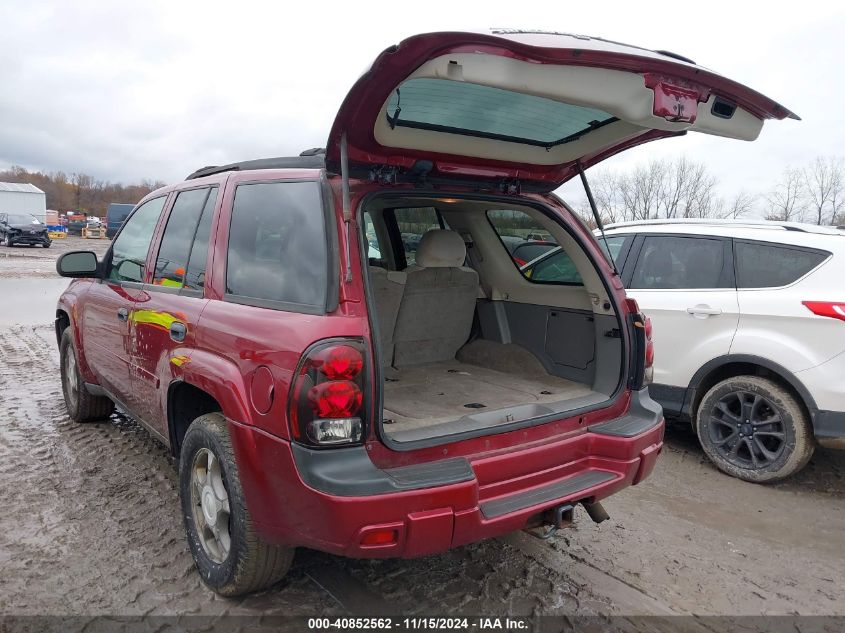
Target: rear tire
x,y
47,245
231,558
81,405
753,429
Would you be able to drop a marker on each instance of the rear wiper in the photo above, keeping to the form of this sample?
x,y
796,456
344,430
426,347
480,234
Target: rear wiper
x,y
596,215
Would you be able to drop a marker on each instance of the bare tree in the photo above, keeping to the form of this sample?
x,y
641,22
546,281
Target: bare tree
x,y
823,183
606,187
642,189
786,199
741,204
688,191
680,188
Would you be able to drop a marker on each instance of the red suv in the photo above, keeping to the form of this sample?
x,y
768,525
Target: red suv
x,y
325,386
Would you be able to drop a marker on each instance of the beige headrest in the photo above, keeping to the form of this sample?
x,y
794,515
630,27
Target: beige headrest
x,y
440,248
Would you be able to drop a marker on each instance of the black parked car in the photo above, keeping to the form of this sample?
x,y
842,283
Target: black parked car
x,y
22,228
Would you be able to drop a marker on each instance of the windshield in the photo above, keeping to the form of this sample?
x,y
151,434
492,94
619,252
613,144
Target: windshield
x,y
20,218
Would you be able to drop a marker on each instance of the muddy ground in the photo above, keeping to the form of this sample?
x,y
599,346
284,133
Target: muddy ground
x,y
90,522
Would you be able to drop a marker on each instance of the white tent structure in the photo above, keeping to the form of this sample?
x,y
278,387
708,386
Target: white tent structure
x,y
18,197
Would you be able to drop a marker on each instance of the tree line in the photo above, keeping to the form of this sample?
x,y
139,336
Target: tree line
x,y
80,193
683,188
676,188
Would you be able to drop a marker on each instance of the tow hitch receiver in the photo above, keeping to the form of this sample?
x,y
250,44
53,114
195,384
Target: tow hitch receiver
x,y
552,520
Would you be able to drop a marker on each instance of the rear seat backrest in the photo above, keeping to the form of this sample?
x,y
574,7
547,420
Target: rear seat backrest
x,y
387,287
437,309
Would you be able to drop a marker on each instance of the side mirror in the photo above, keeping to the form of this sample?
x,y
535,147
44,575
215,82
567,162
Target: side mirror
x,y
78,264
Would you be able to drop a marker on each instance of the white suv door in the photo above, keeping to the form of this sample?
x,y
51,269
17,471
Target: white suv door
x,y
685,284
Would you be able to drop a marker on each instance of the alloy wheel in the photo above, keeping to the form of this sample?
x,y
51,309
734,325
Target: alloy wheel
x,y
210,502
71,378
747,430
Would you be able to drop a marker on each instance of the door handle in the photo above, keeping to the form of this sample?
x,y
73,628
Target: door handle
x,y
178,330
123,314
704,310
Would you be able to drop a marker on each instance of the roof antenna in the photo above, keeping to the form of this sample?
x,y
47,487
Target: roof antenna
x,y
347,212
595,213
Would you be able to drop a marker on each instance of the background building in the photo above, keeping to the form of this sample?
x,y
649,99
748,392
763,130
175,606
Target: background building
x,y
23,198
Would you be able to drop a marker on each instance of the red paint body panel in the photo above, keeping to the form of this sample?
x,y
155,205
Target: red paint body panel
x,y
287,511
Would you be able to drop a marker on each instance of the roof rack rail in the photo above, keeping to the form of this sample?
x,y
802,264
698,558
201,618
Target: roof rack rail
x,y
309,159
772,224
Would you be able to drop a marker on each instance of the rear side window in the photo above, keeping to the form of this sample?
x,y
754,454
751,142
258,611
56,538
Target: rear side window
x,y
172,260
130,247
768,266
532,248
277,246
675,263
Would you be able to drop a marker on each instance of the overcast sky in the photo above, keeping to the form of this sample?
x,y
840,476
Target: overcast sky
x,y
132,90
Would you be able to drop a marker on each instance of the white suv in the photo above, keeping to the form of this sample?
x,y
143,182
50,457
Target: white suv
x,y
749,332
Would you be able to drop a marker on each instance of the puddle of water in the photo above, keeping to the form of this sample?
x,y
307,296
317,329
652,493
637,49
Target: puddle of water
x,y
29,301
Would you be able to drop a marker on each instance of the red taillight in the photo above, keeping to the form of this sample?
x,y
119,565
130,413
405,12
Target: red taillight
x,y
519,261
340,362
648,328
380,537
827,309
340,399
327,395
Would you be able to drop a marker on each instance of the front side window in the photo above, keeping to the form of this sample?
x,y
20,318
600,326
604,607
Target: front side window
x,y
172,260
130,247
767,266
675,263
375,250
613,247
413,223
277,244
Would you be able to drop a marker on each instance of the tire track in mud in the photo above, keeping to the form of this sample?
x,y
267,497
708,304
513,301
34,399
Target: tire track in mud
x,y
92,526
92,523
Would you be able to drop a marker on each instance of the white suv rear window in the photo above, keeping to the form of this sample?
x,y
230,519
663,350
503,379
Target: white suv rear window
x,y
768,266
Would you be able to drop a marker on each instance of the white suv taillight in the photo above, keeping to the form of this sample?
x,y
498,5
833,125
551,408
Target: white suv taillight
x,y
827,309
327,397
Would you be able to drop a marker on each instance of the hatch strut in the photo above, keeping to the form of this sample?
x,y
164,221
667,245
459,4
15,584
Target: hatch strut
x,y
347,213
596,215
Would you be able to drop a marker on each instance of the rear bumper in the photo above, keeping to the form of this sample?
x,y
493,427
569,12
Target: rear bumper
x,y
828,390
829,424
330,500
